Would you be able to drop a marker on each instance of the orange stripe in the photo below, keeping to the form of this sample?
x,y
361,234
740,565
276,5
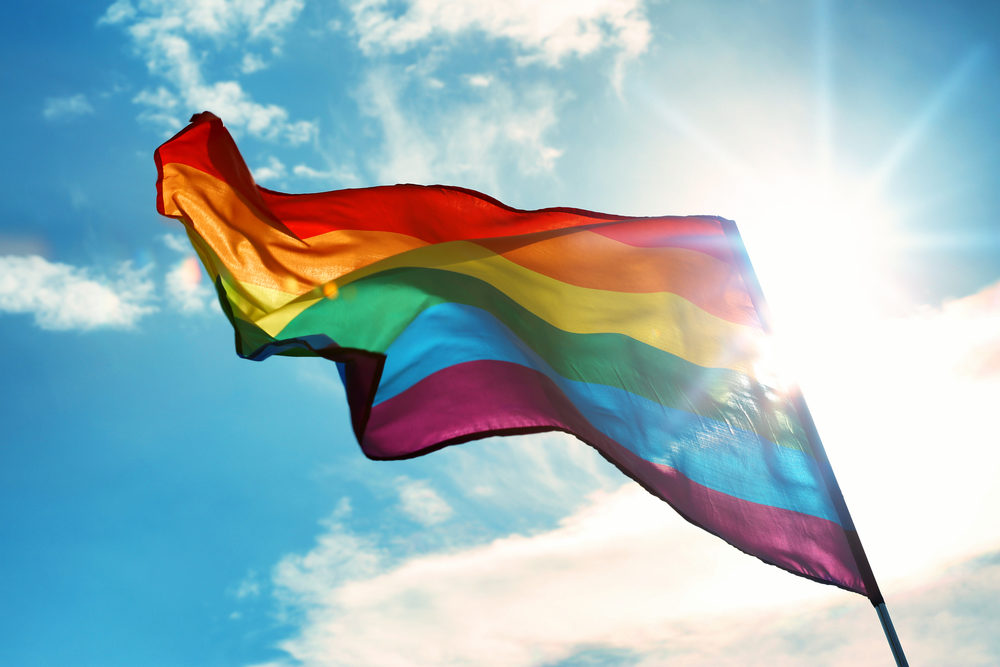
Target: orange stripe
x,y
276,260
588,259
258,253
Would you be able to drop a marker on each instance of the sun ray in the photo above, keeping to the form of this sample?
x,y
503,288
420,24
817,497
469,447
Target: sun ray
x,y
932,109
687,128
824,86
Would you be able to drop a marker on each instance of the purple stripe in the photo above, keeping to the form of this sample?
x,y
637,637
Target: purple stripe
x,y
483,398
807,545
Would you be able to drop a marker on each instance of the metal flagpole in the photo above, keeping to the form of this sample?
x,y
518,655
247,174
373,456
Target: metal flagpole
x,y
826,471
890,635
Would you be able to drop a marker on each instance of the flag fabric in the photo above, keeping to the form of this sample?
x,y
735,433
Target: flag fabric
x,y
454,317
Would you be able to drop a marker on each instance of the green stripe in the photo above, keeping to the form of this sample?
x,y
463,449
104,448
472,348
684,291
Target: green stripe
x,y
370,313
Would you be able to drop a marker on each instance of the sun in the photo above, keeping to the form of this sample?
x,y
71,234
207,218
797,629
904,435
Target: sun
x,y
820,244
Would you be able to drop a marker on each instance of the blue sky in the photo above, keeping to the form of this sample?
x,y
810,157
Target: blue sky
x,y
164,503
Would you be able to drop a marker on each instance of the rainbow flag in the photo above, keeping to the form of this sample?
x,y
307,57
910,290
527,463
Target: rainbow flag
x,y
454,317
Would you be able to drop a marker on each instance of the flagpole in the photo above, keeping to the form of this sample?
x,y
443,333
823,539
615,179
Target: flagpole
x,y
826,470
890,634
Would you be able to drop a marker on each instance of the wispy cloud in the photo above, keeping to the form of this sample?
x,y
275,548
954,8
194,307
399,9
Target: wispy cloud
x,y
490,126
421,502
273,170
163,33
332,177
249,587
57,108
252,63
553,473
62,297
902,401
479,80
186,289
470,143
548,31
621,577
261,19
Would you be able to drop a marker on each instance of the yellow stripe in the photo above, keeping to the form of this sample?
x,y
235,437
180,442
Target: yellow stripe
x,y
661,319
585,258
276,276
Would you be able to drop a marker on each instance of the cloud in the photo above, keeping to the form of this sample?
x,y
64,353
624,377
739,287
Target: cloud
x,y
272,171
479,80
57,108
163,33
217,18
117,12
492,125
514,601
622,577
902,405
186,289
944,620
63,297
251,63
334,175
554,473
185,286
249,587
421,502
470,143
548,31
176,243
977,320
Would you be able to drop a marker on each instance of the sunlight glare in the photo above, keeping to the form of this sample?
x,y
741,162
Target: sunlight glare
x,y
819,248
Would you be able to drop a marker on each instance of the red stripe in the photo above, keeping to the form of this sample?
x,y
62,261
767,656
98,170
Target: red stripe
x,y
703,234
431,213
207,146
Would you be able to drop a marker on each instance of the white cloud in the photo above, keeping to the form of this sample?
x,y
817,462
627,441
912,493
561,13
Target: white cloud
x,y
502,129
214,18
273,170
186,288
267,19
185,285
338,175
252,63
117,12
250,586
553,472
547,31
479,80
306,581
470,143
902,405
515,601
66,107
162,32
64,297
176,243
161,98
623,575
421,502
943,620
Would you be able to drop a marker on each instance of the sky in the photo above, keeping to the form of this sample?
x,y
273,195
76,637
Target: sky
x,y
163,502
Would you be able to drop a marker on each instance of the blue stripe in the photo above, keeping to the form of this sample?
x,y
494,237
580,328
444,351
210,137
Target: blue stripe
x,y
709,452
